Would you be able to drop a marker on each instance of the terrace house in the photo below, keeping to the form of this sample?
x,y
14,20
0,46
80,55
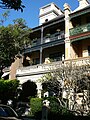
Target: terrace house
x,y
60,36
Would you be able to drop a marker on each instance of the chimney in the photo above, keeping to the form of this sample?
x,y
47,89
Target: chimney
x,y
67,9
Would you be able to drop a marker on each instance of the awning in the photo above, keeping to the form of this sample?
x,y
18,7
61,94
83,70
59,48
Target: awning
x,y
5,74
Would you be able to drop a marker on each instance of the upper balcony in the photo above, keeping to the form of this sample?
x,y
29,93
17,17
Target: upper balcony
x,y
80,32
48,40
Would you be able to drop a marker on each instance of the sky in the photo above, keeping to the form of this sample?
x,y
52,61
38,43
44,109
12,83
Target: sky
x,y
31,11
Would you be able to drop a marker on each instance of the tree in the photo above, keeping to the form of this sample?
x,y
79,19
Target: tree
x,y
51,84
74,82
20,22
5,15
8,90
12,39
12,4
28,90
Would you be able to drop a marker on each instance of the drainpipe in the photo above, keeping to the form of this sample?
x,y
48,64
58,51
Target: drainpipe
x,y
41,45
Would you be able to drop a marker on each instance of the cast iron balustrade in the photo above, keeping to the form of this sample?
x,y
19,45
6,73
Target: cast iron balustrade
x,y
47,41
36,42
50,38
53,37
80,29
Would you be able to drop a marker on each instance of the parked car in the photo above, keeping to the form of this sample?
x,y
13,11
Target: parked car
x,y
23,109
7,113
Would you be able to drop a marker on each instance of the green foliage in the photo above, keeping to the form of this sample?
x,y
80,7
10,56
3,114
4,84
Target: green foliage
x,y
55,111
51,84
20,22
4,17
45,78
8,89
65,111
7,45
36,105
56,108
54,104
6,14
12,39
12,4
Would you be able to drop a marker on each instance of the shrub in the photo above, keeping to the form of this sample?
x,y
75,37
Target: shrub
x,y
56,111
65,111
36,106
54,104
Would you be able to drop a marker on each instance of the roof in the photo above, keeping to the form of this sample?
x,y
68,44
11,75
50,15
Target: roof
x,y
53,21
49,5
5,74
79,12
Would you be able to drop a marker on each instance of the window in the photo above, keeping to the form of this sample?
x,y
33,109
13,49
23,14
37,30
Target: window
x,y
2,112
36,61
56,56
46,20
88,50
88,19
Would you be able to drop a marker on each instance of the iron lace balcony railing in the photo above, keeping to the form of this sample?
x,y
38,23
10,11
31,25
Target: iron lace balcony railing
x,y
80,29
53,37
49,38
36,42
